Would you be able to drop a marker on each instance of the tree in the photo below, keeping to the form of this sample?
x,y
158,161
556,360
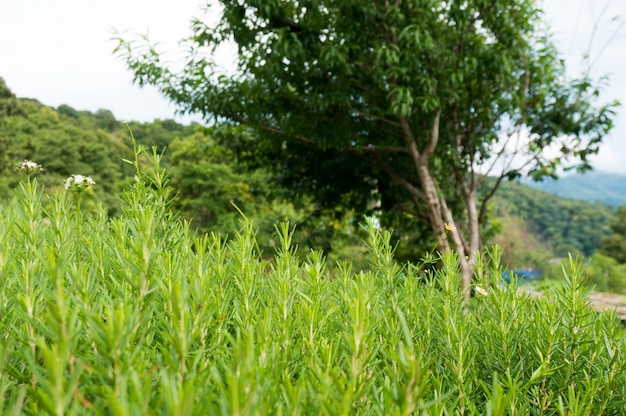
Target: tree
x,y
212,189
8,101
606,274
416,100
68,111
106,120
160,133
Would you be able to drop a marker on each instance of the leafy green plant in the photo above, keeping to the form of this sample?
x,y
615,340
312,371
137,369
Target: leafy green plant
x,y
603,274
137,315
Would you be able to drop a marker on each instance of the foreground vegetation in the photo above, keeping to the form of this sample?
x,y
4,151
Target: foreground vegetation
x,y
136,315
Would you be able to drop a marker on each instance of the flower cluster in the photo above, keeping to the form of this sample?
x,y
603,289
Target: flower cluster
x,y
78,183
29,167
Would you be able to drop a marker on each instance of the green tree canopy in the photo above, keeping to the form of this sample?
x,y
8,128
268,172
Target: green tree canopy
x,y
415,101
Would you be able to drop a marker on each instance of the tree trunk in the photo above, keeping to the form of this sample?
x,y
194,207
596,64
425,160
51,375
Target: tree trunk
x,y
434,207
474,243
438,211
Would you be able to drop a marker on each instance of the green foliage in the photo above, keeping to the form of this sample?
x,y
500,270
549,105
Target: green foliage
x,y
68,111
64,145
8,104
213,191
564,225
106,120
408,99
603,274
136,315
606,274
161,133
67,141
207,177
615,245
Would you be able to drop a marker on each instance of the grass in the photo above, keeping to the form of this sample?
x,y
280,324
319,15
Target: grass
x,y
137,315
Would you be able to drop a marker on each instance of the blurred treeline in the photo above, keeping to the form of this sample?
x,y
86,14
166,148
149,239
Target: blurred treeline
x,y
213,189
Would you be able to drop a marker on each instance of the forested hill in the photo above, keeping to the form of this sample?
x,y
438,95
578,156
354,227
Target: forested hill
x,y
540,224
595,186
67,141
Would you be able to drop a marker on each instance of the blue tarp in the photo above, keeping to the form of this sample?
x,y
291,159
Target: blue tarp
x,y
521,275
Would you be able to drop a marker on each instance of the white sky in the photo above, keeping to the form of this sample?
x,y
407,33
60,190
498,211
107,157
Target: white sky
x,y
60,52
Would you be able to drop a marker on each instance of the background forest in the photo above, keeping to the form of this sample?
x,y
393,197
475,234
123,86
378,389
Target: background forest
x,y
214,188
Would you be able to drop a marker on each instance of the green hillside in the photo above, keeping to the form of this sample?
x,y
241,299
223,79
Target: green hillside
x,y
67,141
596,186
534,225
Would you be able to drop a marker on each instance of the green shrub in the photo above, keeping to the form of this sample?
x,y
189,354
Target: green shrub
x,y
136,315
602,273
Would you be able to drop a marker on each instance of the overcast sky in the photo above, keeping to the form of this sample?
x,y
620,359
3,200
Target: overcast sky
x,y
60,52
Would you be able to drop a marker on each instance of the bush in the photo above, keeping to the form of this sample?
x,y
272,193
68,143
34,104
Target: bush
x,y
602,273
135,315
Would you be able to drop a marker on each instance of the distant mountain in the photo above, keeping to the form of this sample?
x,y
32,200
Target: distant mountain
x,y
608,188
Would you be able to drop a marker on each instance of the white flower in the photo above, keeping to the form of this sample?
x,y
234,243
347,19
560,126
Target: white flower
x,y
29,167
480,291
78,183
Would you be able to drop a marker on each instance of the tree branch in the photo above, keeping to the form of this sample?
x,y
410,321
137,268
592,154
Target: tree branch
x,y
483,204
410,142
377,118
309,141
413,191
434,136
417,213
274,130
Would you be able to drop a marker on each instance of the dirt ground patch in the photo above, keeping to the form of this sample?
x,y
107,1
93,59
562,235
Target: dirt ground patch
x,y
609,301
